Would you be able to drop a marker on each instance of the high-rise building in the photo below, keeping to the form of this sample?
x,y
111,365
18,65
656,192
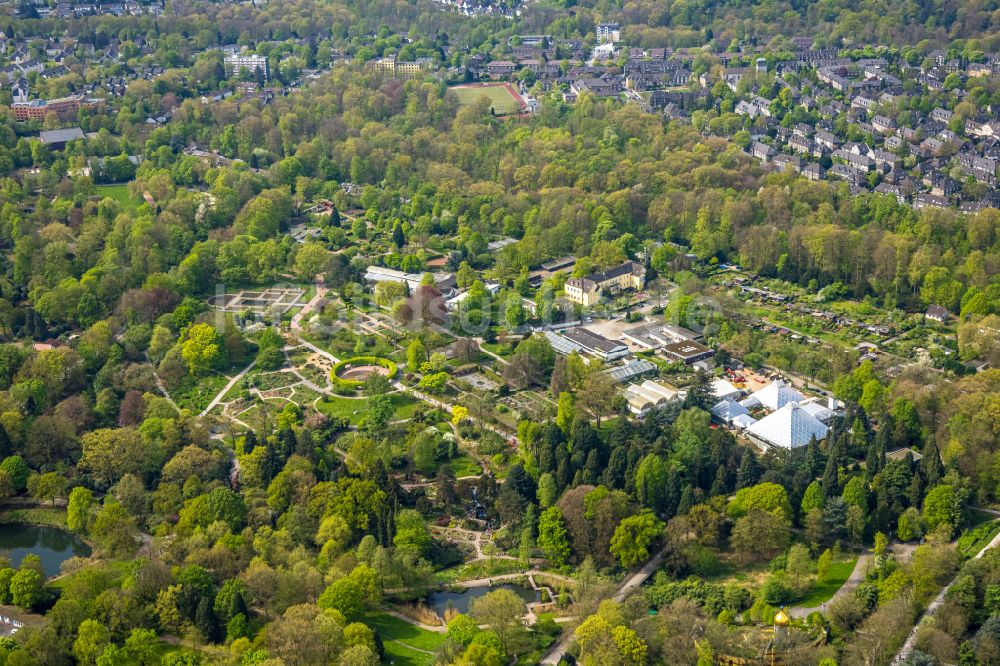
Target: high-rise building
x,y
252,62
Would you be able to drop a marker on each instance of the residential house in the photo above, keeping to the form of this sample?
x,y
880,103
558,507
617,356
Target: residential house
x,y
937,313
762,151
813,171
884,124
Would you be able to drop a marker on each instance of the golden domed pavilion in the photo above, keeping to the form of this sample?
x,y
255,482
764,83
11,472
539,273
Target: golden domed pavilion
x,y
779,643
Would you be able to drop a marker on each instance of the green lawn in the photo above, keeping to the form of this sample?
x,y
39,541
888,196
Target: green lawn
x,y
354,408
403,641
120,194
116,568
400,655
835,578
464,465
503,349
195,393
500,98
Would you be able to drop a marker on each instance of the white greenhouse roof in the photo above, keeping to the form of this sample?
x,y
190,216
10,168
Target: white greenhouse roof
x,y
818,410
789,427
776,395
727,410
623,373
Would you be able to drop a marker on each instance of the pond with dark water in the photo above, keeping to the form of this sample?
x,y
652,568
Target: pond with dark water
x,y
440,601
53,545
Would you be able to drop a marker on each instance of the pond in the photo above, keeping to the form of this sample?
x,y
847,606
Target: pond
x,y
53,545
442,600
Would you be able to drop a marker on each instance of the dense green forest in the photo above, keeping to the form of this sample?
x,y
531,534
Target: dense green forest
x,y
311,526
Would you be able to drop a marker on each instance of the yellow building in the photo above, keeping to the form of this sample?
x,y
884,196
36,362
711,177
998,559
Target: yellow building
x,y
401,68
590,290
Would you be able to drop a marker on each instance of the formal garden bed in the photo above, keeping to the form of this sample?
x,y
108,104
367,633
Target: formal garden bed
x,y
351,373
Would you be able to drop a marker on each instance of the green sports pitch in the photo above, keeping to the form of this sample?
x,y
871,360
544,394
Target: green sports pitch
x,y
502,98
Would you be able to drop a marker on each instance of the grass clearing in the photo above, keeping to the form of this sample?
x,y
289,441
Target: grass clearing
x,y
195,393
354,408
501,100
399,655
405,644
835,578
120,194
464,465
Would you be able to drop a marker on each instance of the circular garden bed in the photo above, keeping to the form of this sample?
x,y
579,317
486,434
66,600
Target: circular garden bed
x,y
351,373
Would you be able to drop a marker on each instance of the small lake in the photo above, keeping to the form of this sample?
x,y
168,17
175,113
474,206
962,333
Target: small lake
x,y
440,601
53,545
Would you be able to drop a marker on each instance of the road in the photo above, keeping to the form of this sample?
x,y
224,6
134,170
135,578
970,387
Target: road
x,y
932,608
627,586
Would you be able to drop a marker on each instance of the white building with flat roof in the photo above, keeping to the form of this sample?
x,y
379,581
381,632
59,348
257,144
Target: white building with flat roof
x,y
251,61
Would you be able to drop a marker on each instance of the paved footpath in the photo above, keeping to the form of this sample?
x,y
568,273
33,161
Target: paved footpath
x,y
858,575
932,608
628,585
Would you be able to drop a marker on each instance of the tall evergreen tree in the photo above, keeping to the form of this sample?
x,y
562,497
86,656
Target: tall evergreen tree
x,y
874,459
699,392
931,467
719,484
249,442
915,493
614,473
687,500
749,472
831,478
206,621
814,457
520,481
672,496
592,468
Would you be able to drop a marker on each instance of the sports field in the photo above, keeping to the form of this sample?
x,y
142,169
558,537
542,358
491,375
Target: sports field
x,y
502,97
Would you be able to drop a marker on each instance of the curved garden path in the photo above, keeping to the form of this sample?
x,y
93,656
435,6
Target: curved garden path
x,y
627,586
858,575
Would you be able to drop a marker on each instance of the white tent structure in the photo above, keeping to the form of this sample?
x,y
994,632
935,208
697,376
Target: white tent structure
x,y
727,410
744,421
788,428
774,396
723,389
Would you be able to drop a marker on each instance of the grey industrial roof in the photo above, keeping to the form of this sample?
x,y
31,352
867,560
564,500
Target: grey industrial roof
x,y
61,135
623,373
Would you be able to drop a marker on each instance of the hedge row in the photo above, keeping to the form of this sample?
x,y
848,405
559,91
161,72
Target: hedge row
x,y
356,361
